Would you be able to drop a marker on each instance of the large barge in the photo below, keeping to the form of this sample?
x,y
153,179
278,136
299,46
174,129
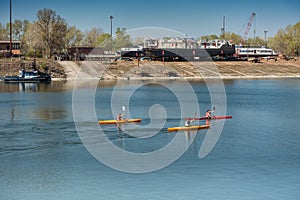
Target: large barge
x,y
181,50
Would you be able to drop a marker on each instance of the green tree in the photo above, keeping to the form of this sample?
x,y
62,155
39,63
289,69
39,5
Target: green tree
x,y
103,37
256,41
122,39
104,41
208,37
287,41
91,38
17,27
26,40
4,32
232,37
74,37
49,31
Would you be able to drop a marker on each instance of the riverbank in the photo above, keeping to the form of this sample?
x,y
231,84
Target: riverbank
x,y
133,70
177,70
11,67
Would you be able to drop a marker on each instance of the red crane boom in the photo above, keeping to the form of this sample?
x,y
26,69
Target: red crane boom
x,y
249,25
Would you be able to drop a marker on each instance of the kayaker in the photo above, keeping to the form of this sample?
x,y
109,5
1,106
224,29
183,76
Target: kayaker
x,y
189,122
208,114
120,116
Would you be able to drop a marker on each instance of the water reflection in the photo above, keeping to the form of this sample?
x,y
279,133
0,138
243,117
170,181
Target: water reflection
x,y
190,135
28,87
51,113
24,87
12,114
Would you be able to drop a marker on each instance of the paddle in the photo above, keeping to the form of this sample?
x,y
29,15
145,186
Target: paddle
x,y
124,110
194,117
121,118
213,111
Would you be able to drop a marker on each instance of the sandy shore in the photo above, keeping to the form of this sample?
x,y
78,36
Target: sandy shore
x,y
178,70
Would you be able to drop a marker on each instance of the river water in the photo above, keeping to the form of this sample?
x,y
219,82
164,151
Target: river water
x,y
256,156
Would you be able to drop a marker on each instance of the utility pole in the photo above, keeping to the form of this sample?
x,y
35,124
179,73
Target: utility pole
x,y
223,28
10,29
111,18
111,40
266,38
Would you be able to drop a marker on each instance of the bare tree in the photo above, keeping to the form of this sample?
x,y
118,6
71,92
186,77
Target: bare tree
x,y
50,31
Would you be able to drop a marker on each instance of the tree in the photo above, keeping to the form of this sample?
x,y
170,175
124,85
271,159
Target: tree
x,y
50,31
256,41
103,37
138,41
4,32
232,37
26,37
287,41
74,37
122,39
206,38
104,41
91,38
17,27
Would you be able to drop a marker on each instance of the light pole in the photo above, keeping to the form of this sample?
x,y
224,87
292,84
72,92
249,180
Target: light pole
x,y
266,37
34,60
10,28
111,18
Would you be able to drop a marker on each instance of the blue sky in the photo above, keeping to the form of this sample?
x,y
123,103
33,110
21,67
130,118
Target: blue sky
x,y
191,17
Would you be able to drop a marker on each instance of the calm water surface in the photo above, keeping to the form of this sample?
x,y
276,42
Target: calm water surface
x,y
256,157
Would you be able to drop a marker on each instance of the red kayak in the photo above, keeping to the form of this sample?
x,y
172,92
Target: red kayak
x,y
213,117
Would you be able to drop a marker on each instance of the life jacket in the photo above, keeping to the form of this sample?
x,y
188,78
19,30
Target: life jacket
x,y
188,123
207,114
119,117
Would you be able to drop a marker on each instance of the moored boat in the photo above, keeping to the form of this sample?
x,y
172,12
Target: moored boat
x,y
255,51
28,77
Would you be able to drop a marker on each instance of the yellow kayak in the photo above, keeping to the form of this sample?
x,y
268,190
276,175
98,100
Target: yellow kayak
x,y
113,121
187,128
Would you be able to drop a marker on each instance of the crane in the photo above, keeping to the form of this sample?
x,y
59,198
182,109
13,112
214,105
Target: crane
x,y
249,24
